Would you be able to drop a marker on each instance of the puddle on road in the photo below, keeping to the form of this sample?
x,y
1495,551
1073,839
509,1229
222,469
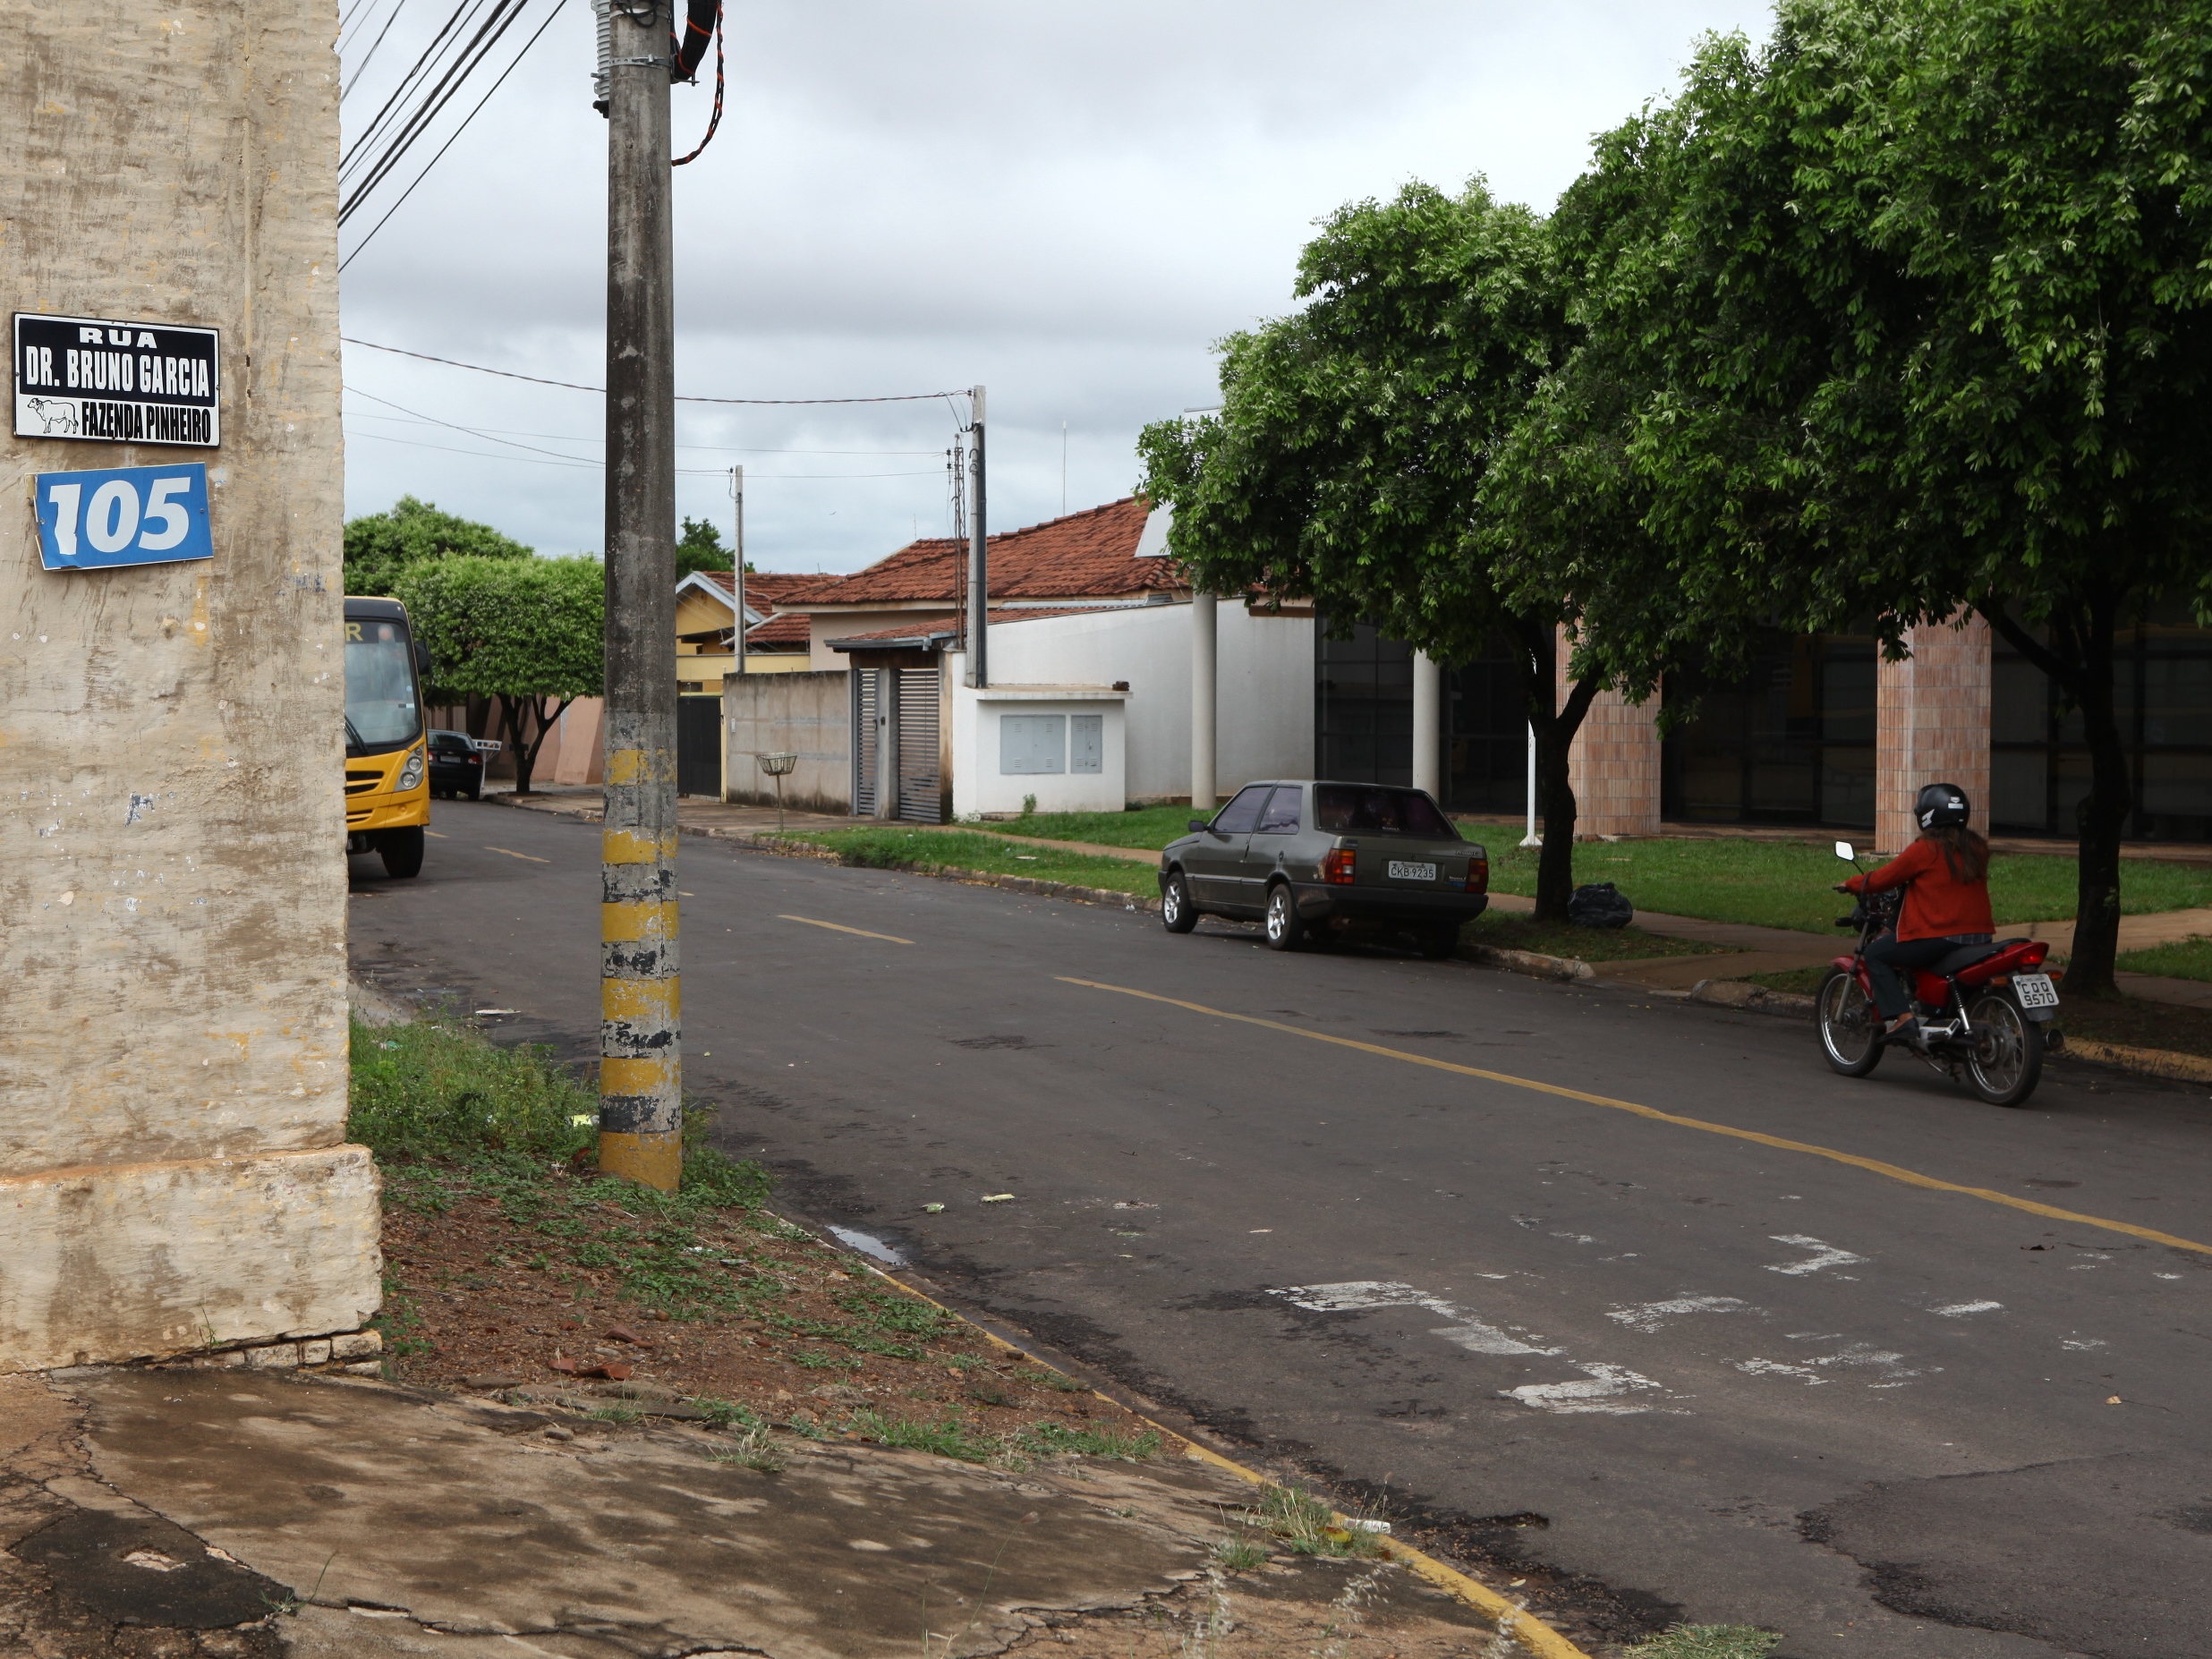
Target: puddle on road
x,y
868,1245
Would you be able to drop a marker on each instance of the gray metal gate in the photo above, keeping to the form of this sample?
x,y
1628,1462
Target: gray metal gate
x,y
896,743
921,769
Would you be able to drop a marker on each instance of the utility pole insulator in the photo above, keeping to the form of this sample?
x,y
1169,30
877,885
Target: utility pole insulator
x,y
640,1071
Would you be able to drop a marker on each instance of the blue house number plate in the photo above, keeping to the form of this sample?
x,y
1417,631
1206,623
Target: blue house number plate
x,y
124,515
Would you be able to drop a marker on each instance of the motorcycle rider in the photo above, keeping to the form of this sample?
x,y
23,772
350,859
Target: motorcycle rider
x,y
1945,875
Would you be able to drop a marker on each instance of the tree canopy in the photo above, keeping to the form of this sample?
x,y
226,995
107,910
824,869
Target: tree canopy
x,y
381,545
699,548
525,631
1912,308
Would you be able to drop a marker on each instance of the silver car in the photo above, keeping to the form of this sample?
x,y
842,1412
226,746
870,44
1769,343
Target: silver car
x,y
1346,858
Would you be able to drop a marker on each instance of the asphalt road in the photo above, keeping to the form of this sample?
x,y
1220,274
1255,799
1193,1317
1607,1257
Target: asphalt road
x,y
1717,1379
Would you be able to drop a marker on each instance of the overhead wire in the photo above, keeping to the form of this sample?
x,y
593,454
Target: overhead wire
x,y
355,71
574,386
351,155
449,84
448,144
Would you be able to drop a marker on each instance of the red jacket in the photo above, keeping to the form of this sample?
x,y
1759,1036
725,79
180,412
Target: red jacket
x,y
1936,904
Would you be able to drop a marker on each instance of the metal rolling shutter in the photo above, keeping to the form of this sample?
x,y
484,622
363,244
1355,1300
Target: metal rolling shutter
x,y
920,777
864,743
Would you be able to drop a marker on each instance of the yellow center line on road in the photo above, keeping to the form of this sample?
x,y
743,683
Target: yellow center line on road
x,y
1895,1172
434,835
511,853
839,927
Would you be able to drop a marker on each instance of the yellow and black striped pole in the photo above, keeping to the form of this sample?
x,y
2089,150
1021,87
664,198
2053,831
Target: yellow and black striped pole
x,y
640,1066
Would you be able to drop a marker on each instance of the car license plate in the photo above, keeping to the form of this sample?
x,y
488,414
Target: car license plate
x,y
1401,871
2036,991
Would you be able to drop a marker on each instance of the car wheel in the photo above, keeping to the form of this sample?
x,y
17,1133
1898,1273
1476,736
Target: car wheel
x,y
1176,911
402,851
1286,929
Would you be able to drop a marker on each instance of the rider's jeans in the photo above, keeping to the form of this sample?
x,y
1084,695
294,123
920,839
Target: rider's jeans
x,y
1885,956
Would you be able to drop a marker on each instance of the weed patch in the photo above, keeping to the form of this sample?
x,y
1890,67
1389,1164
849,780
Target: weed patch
x,y
1708,1641
1308,1526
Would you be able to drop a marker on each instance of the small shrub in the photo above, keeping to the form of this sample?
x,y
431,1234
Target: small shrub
x,y
1239,1554
753,1450
1093,1442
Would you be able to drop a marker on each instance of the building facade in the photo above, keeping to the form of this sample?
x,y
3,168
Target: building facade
x,y
1820,734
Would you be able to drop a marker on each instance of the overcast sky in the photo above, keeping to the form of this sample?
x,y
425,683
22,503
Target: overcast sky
x,y
1068,204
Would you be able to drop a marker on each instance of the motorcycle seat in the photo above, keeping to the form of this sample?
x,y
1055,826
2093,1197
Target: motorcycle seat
x,y
1967,956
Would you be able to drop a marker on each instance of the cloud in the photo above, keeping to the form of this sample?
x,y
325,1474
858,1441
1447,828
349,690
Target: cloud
x,y
1068,204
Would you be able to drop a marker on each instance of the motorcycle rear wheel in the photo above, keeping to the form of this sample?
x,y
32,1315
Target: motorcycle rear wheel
x,y
1850,1030
2006,1062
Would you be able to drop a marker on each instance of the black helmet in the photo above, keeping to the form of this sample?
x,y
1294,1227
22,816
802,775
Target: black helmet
x,y
1941,806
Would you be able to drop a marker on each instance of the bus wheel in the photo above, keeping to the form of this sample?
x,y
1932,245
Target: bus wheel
x,y
402,851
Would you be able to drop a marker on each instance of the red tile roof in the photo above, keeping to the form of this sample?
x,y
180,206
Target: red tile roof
x,y
1088,555
766,587
786,628
946,626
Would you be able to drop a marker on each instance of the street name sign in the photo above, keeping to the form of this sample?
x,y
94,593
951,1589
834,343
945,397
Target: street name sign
x,y
116,382
124,515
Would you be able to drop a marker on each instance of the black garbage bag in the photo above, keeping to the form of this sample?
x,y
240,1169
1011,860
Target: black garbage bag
x,y
1600,904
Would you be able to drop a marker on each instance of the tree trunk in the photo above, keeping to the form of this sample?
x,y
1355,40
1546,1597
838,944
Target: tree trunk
x,y
2079,655
519,711
1555,728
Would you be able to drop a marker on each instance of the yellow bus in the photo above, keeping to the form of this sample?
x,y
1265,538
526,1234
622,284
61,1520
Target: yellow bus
x,y
387,783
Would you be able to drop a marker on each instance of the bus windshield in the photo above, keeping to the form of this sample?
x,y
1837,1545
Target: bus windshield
x,y
380,707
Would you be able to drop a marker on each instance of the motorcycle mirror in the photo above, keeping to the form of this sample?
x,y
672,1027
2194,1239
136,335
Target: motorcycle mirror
x,y
1843,851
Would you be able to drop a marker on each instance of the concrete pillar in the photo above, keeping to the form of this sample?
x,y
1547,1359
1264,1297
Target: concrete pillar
x,y
1203,655
1932,726
1614,762
1428,723
173,1167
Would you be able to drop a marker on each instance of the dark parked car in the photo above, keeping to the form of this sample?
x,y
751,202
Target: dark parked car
x,y
1346,858
457,765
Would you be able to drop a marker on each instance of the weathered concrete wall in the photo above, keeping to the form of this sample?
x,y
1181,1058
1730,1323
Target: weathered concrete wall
x,y
173,1035
809,715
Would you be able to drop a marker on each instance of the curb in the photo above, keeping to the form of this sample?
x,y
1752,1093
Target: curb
x,y
1513,1621
2168,1063
1533,963
1741,993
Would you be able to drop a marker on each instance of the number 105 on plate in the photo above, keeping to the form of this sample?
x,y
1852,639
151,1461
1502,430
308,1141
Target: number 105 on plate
x,y
124,515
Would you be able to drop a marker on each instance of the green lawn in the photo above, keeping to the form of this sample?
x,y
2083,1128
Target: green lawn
x,y
942,849
1783,884
1151,828
2190,959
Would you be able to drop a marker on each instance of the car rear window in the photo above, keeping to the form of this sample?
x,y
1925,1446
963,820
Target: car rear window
x,y
1371,809
448,744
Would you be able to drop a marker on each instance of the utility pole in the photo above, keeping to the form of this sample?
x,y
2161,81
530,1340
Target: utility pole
x,y
641,1075
979,562
737,489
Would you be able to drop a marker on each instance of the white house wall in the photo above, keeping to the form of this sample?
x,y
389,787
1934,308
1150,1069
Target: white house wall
x,y
1265,689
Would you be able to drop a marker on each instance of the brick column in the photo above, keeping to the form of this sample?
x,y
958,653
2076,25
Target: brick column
x,y
1932,726
1614,763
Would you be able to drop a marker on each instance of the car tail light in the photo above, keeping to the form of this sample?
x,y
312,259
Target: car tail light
x,y
1478,875
1338,865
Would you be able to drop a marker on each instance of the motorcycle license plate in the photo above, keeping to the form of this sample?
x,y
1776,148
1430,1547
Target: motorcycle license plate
x,y
2036,991
1401,871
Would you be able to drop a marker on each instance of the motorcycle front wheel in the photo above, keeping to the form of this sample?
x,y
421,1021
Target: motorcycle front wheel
x,y
2005,1061
1850,1030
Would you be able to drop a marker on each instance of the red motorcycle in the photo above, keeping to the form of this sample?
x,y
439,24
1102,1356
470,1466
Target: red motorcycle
x,y
1978,1014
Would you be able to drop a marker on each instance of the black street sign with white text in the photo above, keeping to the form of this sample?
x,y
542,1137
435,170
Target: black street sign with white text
x,y
118,382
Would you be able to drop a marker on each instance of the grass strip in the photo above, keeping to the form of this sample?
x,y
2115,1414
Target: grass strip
x,y
1149,828
2185,958
1785,884
951,852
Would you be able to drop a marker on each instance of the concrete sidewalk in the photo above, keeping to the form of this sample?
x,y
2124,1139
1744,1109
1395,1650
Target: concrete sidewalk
x,y
257,1515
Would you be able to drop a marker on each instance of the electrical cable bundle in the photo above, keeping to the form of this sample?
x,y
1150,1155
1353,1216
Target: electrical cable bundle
x,y
463,45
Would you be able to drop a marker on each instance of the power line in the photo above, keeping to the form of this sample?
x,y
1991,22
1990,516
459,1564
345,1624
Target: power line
x,y
572,437
448,144
572,385
449,84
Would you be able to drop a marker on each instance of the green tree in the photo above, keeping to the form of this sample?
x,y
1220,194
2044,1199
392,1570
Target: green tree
x,y
380,546
1351,458
526,631
1919,296
699,548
